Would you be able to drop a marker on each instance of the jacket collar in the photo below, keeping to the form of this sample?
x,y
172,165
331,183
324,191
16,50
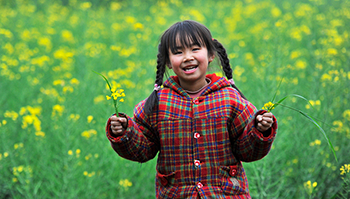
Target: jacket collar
x,y
216,83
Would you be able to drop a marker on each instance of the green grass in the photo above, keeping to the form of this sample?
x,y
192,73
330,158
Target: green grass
x,y
46,47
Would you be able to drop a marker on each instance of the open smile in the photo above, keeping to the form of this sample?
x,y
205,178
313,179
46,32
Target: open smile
x,y
190,69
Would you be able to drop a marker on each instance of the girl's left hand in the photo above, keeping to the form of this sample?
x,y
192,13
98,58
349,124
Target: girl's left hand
x,y
264,121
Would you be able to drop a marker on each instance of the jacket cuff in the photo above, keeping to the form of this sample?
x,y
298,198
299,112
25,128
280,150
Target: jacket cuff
x,y
109,134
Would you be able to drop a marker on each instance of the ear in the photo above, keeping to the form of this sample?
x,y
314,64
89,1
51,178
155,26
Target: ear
x,y
169,66
211,58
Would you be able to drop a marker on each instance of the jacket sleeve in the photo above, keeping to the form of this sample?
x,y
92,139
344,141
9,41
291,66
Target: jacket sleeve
x,y
251,144
138,142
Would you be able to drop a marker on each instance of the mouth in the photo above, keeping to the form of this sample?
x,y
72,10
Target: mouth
x,y
190,68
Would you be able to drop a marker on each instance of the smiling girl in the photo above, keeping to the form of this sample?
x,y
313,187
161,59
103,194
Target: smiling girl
x,y
200,125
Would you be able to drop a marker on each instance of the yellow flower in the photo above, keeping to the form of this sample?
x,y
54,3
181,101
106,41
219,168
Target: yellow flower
x,y
295,54
115,6
90,118
275,12
346,114
11,114
70,152
91,174
268,106
138,26
310,186
98,99
40,133
67,35
338,126
74,81
300,64
57,109
89,133
108,97
344,169
85,5
125,183
74,117
67,89
318,142
326,77
332,51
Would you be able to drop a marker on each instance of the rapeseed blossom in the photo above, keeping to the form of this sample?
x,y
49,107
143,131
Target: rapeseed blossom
x,y
345,169
269,106
115,94
346,114
310,186
87,134
89,174
125,184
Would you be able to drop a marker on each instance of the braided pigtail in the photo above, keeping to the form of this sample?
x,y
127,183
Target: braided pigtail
x,y
152,100
225,63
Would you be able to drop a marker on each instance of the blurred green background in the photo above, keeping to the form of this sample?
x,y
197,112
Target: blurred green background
x,y
54,110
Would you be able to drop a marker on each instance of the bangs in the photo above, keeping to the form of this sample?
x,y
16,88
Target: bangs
x,y
184,38
185,34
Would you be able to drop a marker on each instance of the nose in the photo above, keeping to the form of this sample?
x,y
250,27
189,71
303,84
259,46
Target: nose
x,y
188,57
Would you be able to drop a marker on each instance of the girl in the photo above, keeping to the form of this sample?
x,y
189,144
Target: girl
x,y
201,126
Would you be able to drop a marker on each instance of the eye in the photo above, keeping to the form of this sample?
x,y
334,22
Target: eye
x,y
196,48
177,52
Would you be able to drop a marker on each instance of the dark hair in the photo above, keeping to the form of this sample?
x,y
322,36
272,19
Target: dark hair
x,y
187,32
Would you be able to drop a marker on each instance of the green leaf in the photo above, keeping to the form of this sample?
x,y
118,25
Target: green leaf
x,y
276,104
278,87
318,126
109,85
110,89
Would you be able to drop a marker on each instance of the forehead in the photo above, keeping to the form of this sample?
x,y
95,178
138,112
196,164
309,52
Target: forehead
x,y
185,41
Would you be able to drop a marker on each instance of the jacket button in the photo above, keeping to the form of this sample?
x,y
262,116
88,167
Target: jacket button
x,y
195,101
233,172
197,135
197,163
199,185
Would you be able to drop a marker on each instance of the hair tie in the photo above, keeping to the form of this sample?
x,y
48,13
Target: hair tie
x,y
231,81
156,87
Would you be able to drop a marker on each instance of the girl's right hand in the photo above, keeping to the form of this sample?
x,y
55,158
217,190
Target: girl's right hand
x,y
118,125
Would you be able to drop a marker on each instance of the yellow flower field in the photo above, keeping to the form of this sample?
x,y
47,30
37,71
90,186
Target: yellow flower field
x,y
54,108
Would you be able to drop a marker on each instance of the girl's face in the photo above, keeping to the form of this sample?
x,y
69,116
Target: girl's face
x,y
190,65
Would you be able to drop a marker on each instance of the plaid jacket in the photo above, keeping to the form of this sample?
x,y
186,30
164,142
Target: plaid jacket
x,y
201,142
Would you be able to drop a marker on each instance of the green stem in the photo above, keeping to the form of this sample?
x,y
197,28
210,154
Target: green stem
x,y
318,126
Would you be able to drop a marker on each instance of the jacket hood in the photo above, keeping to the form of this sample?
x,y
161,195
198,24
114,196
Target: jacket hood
x,y
216,83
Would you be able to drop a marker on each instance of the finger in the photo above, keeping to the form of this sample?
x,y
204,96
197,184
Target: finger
x,y
259,118
117,130
122,119
261,127
115,123
267,120
269,114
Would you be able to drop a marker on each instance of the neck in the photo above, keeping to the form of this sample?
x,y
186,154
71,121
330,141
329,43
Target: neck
x,y
198,87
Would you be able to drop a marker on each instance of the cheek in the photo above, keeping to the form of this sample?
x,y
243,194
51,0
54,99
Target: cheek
x,y
175,62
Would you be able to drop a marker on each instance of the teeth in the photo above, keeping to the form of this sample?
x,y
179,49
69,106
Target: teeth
x,y
190,68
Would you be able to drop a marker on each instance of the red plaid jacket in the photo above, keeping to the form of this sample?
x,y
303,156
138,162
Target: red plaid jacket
x,y
201,142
